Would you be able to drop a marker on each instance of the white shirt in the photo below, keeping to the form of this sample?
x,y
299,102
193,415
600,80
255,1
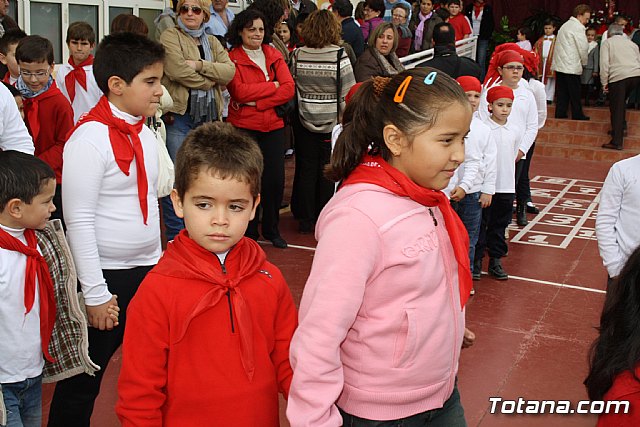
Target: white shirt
x,y
540,95
617,221
471,171
506,139
476,21
84,100
102,211
20,345
13,132
524,113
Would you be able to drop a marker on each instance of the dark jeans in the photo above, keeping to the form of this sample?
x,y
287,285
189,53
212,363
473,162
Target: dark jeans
x,y
311,190
495,219
470,212
23,402
481,57
618,93
450,415
568,91
272,190
74,397
523,184
57,201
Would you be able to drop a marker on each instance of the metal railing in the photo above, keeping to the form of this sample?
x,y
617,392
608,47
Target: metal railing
x,y
465,47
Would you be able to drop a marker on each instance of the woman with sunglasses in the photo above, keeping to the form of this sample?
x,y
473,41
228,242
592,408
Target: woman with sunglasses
x,y
196,68
262,83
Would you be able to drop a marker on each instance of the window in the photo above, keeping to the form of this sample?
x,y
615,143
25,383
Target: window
x,y
46,21
89,14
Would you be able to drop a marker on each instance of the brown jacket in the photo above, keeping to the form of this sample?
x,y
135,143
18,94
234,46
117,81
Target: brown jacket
x,y
179,78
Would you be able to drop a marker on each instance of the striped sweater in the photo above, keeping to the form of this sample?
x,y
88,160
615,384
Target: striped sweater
x,y
315,73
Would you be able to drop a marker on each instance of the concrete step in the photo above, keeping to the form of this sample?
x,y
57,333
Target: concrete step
x,y
579,139
592,127
570,151
599,114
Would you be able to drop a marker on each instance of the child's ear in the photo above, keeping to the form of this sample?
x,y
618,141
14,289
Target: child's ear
x,y
175,200
256,202
116,85
14,208
3,58
394,139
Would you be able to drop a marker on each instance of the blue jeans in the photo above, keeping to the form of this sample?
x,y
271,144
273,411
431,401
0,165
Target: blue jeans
x,y
481,57
450,415
176,134
470,212
23,401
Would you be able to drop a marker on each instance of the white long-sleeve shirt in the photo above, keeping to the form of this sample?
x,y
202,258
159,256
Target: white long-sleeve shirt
x,y
540,96
524,114
471,173
20,345
84,100
102,211
506,140
13,132
617,221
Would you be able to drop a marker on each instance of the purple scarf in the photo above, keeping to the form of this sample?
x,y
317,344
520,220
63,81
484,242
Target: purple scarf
x,y
417,44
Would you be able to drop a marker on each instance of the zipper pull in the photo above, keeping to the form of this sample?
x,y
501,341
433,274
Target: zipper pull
x,y
433,217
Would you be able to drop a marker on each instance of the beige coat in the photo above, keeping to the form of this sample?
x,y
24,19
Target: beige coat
x,y
179,78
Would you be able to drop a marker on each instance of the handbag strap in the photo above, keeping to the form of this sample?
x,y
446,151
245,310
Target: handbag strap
x,y
338,83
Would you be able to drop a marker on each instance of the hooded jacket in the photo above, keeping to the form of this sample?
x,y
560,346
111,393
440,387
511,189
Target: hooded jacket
x,y
207,343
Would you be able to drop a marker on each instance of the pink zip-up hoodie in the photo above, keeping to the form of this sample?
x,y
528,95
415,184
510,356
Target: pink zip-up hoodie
x,y
380,326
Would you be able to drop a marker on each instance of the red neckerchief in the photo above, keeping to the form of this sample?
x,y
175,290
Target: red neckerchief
x,y
125,143
7,78
205,266
31,109
477,9
79,75
36,266
374,170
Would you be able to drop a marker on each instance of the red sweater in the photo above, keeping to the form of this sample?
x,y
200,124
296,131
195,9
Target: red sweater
x,y
250,85
624,387
183,354
54,117
460,25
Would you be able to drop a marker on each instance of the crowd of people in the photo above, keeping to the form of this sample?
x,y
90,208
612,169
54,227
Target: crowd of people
x,y
193,130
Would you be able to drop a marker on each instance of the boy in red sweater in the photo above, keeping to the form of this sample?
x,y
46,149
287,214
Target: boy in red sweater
x,y
48,114
458,20
208,332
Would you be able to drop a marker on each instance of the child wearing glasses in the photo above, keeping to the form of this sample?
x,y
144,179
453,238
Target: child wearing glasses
x,y
381,320
48,114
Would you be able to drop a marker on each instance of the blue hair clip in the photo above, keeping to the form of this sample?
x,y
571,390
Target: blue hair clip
x,y
430,77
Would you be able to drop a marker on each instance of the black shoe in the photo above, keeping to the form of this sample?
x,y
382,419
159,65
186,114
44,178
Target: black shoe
x,y
611,146
476,273
582,118
476,276
496,270
532,209
305,227
521,215
279,242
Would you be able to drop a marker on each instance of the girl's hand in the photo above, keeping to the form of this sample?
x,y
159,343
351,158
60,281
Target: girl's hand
x,y
468,339
457,194
277,84
485,200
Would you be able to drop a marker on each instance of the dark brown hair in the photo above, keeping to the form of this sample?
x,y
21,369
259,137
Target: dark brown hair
x,y
34,49
81,30
127,23
373,107
581,9
222,150
321,29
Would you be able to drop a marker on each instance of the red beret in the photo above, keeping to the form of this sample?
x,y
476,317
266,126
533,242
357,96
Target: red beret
x,y
469,83
352,92
509,56
498,92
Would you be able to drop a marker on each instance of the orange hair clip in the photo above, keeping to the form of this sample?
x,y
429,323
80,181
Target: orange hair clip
x,y
402,89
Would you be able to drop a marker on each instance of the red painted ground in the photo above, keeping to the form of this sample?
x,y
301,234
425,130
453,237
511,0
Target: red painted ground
x,y
532,338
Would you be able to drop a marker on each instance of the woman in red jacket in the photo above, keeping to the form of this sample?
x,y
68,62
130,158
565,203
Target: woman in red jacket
x,y
262,82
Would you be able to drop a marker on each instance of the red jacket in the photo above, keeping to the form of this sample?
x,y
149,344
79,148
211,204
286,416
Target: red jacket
x,y
250,85
460,25
184,362
624,387
54,117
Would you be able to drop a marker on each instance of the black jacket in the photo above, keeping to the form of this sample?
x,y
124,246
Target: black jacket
x,y
447,60
487,25
352,34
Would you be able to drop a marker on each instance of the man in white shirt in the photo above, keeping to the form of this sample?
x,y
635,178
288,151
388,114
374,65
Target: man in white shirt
x,y
220,20
617,228
13,132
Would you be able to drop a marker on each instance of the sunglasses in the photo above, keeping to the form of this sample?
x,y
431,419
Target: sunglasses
x,y
197,10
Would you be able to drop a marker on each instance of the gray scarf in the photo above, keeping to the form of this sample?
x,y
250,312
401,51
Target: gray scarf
x,y
202,105
390,64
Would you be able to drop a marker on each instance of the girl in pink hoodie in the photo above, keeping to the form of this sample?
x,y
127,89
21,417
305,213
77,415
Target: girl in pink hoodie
x,y
382,314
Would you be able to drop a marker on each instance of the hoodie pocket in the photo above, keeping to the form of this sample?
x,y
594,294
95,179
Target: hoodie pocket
x,y
405,345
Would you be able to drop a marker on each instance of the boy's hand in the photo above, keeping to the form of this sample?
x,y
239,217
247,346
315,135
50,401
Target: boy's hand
x,y
114,313
457,194
99,316
485,200
468,339
519,156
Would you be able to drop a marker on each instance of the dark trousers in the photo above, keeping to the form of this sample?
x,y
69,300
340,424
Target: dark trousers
x,y
272,190
57,201
74,397
618,93
495,220
311,190
523,184
568,91
450,415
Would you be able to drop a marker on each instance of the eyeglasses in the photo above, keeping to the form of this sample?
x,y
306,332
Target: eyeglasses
x,y
197,10
40,75
514,67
